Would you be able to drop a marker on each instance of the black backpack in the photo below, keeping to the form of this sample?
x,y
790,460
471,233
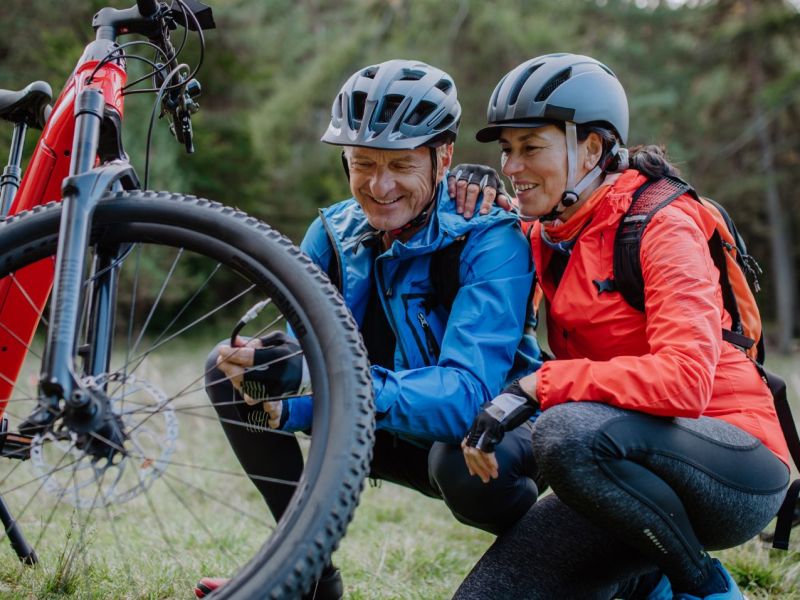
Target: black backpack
x,y
647,201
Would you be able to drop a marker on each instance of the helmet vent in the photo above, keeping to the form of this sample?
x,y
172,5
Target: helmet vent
x,y
390,104
445,85
551,85
337,111
370,72
359,102
496,93
421,112
521,81
411,75
446,122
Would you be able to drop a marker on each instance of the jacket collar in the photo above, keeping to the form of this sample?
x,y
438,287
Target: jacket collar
x,y
348,223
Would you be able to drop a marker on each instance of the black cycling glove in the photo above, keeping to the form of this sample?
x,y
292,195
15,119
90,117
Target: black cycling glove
x,y
503,413
278,368
480,174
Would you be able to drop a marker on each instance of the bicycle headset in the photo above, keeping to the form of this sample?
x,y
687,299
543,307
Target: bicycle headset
x,y
396,105
569,90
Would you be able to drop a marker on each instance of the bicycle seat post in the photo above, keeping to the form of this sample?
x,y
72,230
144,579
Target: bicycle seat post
x,y
9,181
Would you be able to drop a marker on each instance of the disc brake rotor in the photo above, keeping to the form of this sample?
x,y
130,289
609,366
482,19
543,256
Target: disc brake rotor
x,y
80,479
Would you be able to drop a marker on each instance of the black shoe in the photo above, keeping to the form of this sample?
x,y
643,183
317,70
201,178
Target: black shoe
x,y
328,587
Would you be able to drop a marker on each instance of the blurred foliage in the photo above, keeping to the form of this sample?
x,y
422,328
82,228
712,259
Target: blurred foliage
x,y
273,67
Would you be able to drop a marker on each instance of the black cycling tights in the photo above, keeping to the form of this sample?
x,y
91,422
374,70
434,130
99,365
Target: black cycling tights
x,y
436,470
635,493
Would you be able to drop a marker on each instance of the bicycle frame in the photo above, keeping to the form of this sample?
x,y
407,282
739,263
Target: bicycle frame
x,y
83,131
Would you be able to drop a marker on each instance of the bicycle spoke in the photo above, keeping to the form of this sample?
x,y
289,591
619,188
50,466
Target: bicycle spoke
x,y
203,287
180,408
82,530
192,324
237,474
9,474
198,520
20,341
45,476
132,311
154,512
183,392
186,389
237,509
32,304
57,468
221,420
120,547
53,510
144,355
153,308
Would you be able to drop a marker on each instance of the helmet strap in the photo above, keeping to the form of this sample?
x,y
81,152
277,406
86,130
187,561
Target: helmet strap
x,y
574,190
346,166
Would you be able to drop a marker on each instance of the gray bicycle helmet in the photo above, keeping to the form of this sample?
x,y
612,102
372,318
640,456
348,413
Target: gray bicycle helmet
x,y
395,105
567,88
557,87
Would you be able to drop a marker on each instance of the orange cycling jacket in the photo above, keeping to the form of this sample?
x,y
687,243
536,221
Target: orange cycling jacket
x,y
671,359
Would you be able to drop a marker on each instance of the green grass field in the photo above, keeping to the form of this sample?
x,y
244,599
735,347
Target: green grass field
x,y
400,545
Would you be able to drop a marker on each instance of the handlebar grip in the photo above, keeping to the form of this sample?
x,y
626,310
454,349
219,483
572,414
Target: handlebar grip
x,y
147,8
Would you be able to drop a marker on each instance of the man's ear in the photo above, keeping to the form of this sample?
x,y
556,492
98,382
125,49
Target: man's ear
x,y
444,159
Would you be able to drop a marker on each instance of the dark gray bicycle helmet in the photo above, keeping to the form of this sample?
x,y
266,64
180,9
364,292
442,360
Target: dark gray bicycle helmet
x,y
571,89
395,105
557,87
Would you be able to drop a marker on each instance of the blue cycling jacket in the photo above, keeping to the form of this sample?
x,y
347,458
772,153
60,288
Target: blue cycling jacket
x,y
446,366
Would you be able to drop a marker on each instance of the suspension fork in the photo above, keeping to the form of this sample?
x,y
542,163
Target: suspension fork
x,y
81,192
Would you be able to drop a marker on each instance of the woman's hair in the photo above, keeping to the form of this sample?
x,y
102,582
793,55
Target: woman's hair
x,y
650,160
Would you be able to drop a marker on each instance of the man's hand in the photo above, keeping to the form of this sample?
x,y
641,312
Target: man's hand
x,y
466,182
264,368
505,412
233,361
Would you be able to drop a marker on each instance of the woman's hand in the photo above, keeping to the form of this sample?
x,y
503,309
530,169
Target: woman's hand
x,y
466,182
480,463
511,408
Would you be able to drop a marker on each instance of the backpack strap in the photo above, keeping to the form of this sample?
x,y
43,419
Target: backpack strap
x,y
786,513
444,271
651,197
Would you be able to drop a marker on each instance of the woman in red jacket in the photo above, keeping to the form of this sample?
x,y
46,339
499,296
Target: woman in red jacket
x,y
658,438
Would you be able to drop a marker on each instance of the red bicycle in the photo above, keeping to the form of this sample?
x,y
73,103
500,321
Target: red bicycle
x,y
103,384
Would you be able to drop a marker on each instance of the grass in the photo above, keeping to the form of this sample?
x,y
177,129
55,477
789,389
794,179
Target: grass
x,y
400,545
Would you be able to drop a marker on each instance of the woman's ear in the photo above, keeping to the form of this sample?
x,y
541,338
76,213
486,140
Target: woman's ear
x,y
594,151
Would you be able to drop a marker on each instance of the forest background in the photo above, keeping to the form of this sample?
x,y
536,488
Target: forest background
x,y
717,82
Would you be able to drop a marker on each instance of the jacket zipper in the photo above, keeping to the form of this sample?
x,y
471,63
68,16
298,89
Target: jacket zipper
x,y
433,346
387,310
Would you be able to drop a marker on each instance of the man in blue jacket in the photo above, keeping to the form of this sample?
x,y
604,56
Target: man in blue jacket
x,y
394,250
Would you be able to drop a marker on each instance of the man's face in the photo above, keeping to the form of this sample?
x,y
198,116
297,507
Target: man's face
x,y
393,186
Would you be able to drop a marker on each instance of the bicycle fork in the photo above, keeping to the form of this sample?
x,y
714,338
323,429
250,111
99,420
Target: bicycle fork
x,y
85,411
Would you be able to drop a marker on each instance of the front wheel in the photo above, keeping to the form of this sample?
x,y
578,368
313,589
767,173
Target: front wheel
x,y
174,496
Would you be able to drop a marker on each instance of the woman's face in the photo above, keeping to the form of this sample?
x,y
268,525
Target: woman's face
x,y
535,160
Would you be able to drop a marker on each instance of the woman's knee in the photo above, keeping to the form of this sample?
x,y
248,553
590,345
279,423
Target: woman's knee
x,y
564,436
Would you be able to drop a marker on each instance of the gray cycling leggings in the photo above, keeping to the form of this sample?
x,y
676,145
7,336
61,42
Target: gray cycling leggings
x,y
635,493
